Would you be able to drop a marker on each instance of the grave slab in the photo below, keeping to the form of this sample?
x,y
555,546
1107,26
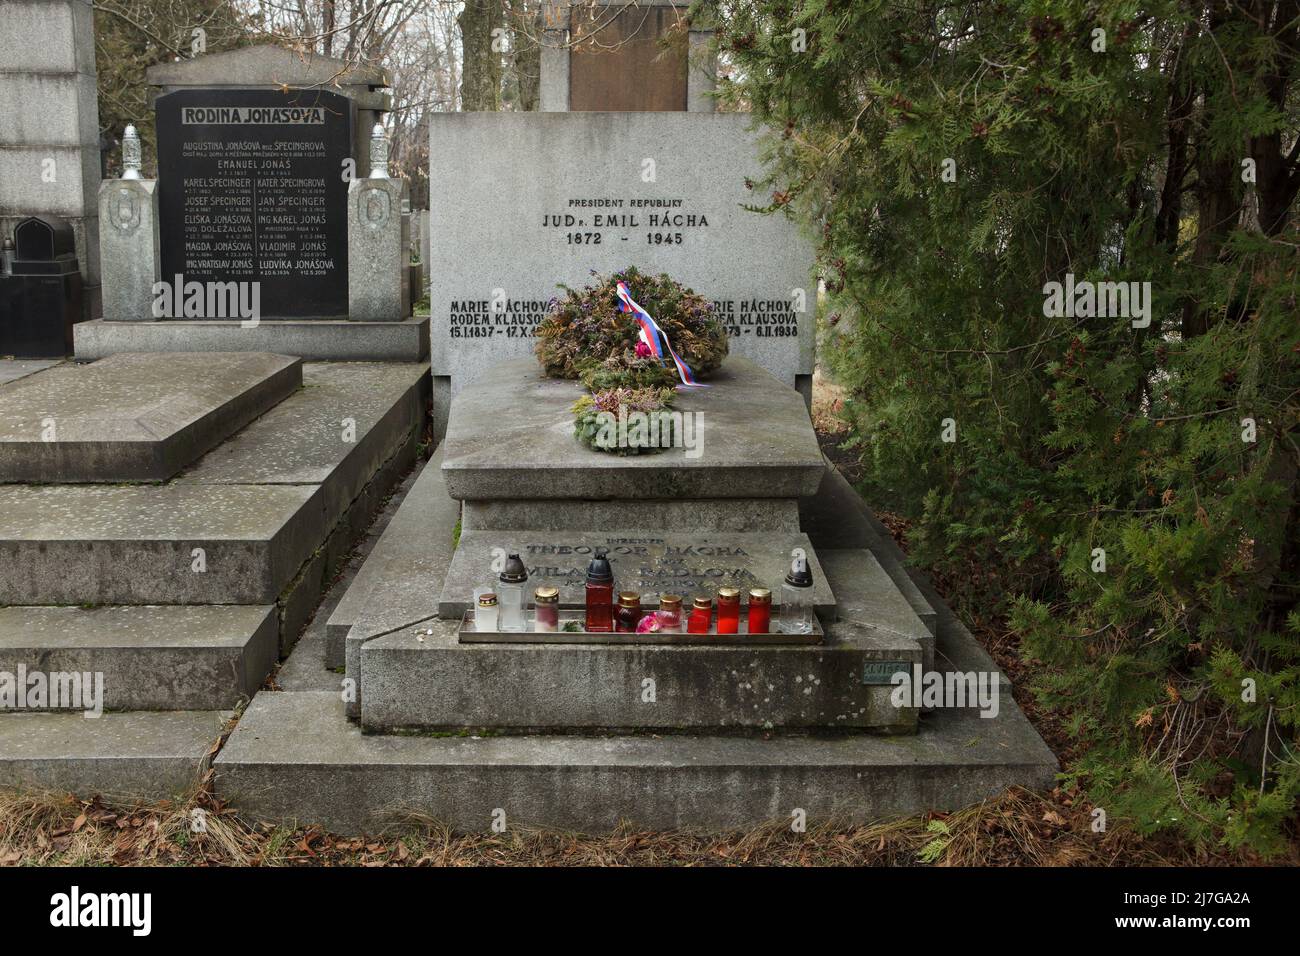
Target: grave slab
x,y
295,757
864,593
141,755
134,417
336,431
152,658
124,544
422,677
650,562
510,436
11,370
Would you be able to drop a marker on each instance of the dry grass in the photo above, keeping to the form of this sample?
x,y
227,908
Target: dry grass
x,y
1018,828
828,407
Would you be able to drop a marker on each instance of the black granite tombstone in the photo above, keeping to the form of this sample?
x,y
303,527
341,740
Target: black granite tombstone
x,y
40,290
252,187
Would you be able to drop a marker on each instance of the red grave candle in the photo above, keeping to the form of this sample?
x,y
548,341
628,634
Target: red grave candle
x,y
760,611
701,616
728,611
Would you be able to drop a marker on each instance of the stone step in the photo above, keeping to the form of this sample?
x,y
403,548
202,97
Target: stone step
x,y
401,578
258,506
336,433
422,677
648,561
136,756
150,658
837,517
295,757
11,370
132,417
117,544
313,340
510,435
305,439
867,595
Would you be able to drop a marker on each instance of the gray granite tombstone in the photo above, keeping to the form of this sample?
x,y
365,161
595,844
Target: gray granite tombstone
x,y
525,202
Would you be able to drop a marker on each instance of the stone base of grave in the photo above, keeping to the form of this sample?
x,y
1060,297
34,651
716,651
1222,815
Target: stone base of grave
x,y
564,736
296,756
132,417
510,457
554,736
312,340
135,756
184,593
510,438
421,678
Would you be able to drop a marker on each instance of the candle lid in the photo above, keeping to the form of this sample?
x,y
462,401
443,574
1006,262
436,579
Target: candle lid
x,y
599,571
670,602
629,598
799,576
704,604
515,572
546,595
487,600
760,596
728,596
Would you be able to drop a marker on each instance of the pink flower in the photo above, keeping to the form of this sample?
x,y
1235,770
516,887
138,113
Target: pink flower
x,y
642,350
648,625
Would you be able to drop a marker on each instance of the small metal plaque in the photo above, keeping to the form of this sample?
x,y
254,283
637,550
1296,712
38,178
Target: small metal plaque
x,y
882,672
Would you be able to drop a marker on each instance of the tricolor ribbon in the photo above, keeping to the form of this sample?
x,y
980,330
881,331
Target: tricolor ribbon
x,y
650,334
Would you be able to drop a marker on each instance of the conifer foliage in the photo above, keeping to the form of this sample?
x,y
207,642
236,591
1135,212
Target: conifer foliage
x,y
1060,248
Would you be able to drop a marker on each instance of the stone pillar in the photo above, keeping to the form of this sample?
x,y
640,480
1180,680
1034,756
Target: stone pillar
x,y
408,271
553,83
702,78
366,120
553,96
128,240
378,286
423,217
49,123
702,66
